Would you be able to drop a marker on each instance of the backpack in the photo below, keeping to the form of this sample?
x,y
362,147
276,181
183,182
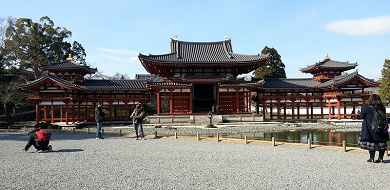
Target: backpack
x,y
379,121
42,135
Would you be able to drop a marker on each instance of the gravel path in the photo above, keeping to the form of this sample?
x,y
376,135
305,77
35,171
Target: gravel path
x,y
79,161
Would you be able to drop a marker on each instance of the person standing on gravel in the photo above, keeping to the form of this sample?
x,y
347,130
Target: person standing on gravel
x,y
138,116
369,139
99,118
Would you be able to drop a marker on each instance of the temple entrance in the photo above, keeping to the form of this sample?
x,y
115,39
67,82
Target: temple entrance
x,y
203,98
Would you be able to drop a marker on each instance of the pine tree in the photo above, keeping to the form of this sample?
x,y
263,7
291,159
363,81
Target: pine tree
x,y
384,88
274,68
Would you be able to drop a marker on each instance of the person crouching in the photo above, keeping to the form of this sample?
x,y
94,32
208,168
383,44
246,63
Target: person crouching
x,y
38,138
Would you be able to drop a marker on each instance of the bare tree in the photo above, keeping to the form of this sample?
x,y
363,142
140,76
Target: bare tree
x,y
11,94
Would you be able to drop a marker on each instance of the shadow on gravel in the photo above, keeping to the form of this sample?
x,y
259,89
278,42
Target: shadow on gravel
x,y
68,150
13,136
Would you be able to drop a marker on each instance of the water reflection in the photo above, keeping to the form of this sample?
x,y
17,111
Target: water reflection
x,y
328,137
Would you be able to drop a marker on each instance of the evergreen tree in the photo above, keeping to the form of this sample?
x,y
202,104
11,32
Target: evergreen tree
x,y
274,68
29,44
384,88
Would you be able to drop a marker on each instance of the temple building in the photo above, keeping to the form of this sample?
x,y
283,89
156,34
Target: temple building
x,y
329,92
196,78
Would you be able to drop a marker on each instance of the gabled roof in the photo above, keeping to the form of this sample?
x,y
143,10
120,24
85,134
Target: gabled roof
x,y
328,64
202,52
54,78
345,78
67,65
90,84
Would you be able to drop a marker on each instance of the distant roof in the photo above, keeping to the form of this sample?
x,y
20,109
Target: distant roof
x,y
345,78
202,52
148,77
330,65
310,83
67,65
290,83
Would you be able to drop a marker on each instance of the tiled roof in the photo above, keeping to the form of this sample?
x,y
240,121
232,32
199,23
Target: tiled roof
x,y
290,83
148,77
243,83
169,84
67,65
93,84
114,84
328,63
344,78
203,52
310,83
54,78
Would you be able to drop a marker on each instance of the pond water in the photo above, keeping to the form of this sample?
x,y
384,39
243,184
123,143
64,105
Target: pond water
x,y
330,137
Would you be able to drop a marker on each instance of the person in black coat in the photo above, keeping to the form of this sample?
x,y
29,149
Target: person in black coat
x,y
370,140
99,118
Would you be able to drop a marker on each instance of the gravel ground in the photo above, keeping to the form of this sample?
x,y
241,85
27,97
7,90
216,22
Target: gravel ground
x,y
221,129
79,161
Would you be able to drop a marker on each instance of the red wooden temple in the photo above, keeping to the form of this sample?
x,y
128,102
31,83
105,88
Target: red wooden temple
x,y
196,78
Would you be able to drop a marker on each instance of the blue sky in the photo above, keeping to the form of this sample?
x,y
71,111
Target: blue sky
x,y
114,32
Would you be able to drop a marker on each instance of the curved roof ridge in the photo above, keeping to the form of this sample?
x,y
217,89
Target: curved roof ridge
x,y
205,42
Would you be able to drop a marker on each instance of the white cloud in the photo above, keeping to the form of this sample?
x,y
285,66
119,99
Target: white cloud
x,y
363,27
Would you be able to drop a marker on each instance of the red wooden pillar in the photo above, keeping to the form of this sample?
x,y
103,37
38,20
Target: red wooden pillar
x,y
249,102
170,102
338,109
79,114
278,107
67,112
45,113
190,102
37,115
52,112
237,101
110,108
292,108
127,110
73,115
158,103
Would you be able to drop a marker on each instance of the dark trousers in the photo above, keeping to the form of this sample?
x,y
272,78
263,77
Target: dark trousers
x,y
381,154
39,145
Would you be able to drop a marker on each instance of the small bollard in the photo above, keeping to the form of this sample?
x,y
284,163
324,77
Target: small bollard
x,y
175,135
120,132
155,134
197,136
24,128
309,143
246,139
344,146
273,141
217,137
